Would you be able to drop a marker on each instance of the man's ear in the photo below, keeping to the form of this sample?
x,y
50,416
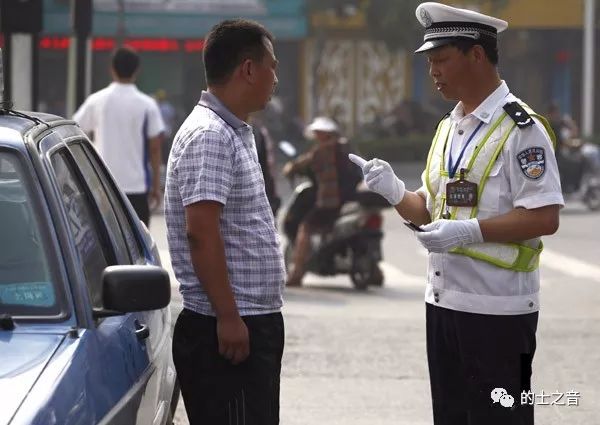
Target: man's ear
x,y
478,53
248,70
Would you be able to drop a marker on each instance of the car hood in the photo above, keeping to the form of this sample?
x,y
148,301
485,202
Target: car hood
x,y
23,357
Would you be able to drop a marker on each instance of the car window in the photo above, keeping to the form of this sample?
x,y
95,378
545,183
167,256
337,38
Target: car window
x,y
92,244
104,204
26,284
124,218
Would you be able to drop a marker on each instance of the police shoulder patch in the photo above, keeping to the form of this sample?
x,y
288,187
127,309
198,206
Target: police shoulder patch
x,y
518,114
532,162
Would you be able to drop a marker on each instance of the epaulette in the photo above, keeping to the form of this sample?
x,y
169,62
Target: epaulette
x,y
518,114
446,115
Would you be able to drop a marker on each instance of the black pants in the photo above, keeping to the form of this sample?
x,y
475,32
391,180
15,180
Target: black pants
x,y
214,391
469,356
139,201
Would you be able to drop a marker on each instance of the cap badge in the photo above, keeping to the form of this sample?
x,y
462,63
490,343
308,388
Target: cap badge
x,y
426,17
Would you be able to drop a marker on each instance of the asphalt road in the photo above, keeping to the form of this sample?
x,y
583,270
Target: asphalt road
x,y
359,358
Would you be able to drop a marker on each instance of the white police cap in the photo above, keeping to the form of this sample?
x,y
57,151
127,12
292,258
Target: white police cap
x,y
443,24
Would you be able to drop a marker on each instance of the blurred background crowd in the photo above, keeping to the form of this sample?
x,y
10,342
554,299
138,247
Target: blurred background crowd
x,y
350,60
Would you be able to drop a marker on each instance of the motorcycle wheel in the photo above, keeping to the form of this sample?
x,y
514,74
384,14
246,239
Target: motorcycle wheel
x,y
365,272
592,198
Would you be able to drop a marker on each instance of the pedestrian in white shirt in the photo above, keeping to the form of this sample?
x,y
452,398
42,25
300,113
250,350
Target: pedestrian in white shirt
x,y
490,190
125,125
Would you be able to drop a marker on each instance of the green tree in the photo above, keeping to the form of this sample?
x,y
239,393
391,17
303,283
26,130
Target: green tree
x,y
395,23
339,7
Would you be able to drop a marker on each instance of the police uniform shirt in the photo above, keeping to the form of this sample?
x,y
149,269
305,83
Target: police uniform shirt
x,y
465,284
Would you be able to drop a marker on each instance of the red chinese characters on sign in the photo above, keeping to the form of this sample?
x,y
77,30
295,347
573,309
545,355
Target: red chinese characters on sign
x,y
140,44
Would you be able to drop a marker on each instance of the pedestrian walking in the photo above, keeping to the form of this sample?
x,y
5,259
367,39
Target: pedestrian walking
x,y
490,190
125,126
228,340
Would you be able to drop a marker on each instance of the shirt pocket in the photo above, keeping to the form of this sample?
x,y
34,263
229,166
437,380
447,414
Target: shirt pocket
x,y
489,204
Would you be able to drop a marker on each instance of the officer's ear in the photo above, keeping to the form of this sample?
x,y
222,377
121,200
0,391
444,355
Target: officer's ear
x,y
478,53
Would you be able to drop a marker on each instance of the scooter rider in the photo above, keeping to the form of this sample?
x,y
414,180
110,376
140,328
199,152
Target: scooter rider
x,y
327,161
490,190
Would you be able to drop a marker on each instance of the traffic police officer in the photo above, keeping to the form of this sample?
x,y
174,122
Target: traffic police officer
x,y
490,190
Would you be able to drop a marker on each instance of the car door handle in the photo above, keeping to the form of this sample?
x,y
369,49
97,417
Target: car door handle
x,y
142,331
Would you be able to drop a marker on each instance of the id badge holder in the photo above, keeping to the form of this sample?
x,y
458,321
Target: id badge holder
x,y
461,193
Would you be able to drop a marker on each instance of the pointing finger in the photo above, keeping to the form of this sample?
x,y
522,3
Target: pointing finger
x,y
357,160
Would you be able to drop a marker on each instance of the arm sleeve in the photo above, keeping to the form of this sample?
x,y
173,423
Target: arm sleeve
x,y
205,168
155,121
533,172
84,116
424,193
423,189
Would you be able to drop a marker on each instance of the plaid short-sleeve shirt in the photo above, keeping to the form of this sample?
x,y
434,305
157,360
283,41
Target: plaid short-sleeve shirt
x,y
214,158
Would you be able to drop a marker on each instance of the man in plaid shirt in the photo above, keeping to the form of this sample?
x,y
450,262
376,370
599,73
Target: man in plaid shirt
x,y
228,340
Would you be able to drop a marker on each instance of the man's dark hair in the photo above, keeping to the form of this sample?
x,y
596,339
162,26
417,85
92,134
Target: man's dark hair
x,y
125,61
490,47
231,42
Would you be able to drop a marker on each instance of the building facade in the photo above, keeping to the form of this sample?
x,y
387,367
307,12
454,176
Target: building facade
x,y
352,78
169,34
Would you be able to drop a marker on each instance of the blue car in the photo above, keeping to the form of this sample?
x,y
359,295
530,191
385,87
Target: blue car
x,y
85,327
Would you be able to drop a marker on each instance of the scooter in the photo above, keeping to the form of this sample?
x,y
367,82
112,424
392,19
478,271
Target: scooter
x,y
579,166
353,244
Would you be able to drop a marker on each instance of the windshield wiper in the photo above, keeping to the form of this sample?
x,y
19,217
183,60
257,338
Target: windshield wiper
x,y
6,322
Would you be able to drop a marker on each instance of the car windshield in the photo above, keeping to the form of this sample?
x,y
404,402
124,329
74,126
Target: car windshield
x,y
26,284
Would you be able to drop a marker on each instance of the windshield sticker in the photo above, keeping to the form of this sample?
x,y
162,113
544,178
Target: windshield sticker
x,y
33,294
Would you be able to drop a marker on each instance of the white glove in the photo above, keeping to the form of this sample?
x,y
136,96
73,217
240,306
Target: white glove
x,y
380,178
443,235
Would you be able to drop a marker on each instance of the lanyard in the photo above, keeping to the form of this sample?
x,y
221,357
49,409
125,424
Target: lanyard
x,y
452,168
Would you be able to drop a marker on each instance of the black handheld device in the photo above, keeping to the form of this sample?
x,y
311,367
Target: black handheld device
x,y
413,226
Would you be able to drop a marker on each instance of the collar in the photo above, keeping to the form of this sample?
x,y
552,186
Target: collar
x,y
116,84
486,109
212,102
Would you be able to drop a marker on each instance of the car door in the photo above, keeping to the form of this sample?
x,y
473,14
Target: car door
x,y
118,367
155,401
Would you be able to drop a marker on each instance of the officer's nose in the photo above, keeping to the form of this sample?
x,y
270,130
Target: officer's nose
x,y
434,72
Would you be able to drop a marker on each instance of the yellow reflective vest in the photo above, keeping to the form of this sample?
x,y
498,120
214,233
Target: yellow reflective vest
x,y
518,256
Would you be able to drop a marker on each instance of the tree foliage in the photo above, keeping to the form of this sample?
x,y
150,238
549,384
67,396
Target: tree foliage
x,y
395,23
392,21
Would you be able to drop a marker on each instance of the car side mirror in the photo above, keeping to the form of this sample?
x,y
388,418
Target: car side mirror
x,y
127,289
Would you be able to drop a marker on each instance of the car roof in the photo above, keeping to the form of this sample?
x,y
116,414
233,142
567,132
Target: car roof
x,y
13,128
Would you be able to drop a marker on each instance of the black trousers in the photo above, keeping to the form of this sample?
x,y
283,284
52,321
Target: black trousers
x,y
139,202
214,391
470,355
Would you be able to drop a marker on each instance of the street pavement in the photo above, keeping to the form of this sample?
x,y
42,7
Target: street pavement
x,y
357,358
